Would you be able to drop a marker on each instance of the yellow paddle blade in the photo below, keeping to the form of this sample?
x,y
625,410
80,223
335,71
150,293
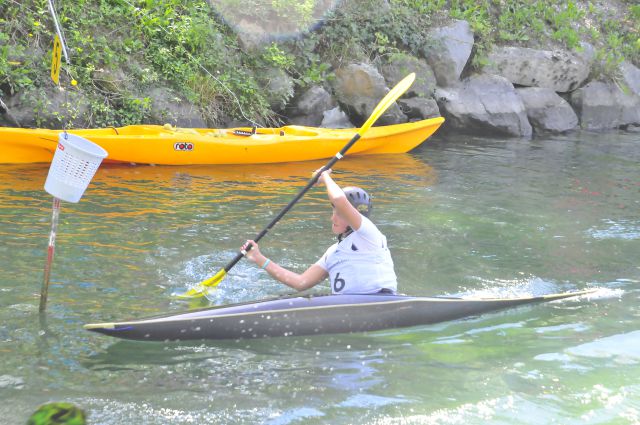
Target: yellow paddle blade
x,y
214,280
201,289
391,97
192,294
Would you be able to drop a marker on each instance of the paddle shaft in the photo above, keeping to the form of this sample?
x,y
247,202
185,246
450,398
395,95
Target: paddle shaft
x,y
291,203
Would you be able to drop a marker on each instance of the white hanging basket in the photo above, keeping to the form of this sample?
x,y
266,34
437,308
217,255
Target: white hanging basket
x,y
74,164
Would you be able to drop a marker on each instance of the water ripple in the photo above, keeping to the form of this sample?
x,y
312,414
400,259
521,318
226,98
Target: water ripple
x,y
621,229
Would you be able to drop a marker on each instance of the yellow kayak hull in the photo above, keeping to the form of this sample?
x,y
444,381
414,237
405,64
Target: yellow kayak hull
x,y
154,144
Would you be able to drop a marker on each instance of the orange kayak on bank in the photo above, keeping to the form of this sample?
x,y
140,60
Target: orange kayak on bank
x,y
167,145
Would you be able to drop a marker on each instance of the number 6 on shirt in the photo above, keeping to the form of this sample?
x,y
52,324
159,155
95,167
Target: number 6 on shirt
x,y
338,284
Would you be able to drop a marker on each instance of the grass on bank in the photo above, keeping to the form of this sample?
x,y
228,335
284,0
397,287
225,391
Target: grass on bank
x,y
121,48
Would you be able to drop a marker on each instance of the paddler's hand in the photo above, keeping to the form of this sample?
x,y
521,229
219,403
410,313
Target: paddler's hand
x,y
323,173
253,253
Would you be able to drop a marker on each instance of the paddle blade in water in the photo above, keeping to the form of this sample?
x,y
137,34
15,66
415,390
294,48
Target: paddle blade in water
x,y
201,289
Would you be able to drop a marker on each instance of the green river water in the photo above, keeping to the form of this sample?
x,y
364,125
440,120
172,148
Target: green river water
x,y
464,216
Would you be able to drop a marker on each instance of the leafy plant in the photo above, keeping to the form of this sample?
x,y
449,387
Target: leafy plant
x,y
193,48
278,57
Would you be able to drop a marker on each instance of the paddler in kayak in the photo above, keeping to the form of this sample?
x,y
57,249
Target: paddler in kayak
x,y
359,263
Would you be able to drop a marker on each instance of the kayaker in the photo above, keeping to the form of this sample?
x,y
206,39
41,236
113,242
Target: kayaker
x,y
359,263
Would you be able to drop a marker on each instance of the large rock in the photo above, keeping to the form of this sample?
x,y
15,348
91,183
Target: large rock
x,y
278,87
558,70
486,104
110,81
630,77
50,107
419,108
310,107
448,51
167,107
335,118
400,65
604,106
547,112
359,88
6,117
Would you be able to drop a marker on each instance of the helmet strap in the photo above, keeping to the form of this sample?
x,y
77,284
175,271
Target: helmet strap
x,y
344,234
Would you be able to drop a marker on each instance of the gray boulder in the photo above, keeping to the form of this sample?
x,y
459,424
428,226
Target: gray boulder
x,y
630,77
335,118
278,87
358,89
485,104
49,107
400,65
251,35
604,106
448,51
167,107
419,108
547,112
558,70
586,52
310,107
111,81
7,117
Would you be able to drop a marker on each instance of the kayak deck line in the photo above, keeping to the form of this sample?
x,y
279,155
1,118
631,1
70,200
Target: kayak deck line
x,y
305,315
173,318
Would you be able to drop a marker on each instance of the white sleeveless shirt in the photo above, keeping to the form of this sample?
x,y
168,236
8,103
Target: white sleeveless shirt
x,y
361,263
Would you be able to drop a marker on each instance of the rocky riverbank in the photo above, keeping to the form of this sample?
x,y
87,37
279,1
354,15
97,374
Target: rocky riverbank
x,y
522,91
518,91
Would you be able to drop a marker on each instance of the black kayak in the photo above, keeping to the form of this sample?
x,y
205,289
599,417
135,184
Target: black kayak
x,y
309,315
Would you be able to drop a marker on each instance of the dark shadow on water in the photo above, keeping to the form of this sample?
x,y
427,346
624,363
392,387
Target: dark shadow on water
x,y
124,354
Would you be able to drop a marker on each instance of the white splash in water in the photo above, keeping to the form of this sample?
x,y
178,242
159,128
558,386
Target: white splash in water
x,y
511,288
244,282
601,293
623,229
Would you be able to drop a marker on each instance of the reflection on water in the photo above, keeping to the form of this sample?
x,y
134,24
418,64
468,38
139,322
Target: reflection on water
x,y
111,179
468,217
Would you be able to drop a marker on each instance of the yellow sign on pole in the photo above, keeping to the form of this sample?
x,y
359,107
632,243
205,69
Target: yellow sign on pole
x,y
56,57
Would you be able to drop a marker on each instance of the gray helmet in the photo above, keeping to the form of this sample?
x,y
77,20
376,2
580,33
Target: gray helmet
x,y
359,198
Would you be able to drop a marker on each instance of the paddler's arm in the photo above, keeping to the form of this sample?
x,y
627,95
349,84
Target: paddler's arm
x,y
309,278
339,201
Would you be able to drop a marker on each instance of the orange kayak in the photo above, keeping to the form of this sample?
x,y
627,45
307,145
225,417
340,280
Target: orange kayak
x,y
167,145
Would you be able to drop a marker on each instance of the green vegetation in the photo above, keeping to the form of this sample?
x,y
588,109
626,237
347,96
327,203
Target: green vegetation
x,y
548,23
120,49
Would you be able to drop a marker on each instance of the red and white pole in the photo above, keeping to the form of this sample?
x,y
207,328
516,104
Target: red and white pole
x,y
44,292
